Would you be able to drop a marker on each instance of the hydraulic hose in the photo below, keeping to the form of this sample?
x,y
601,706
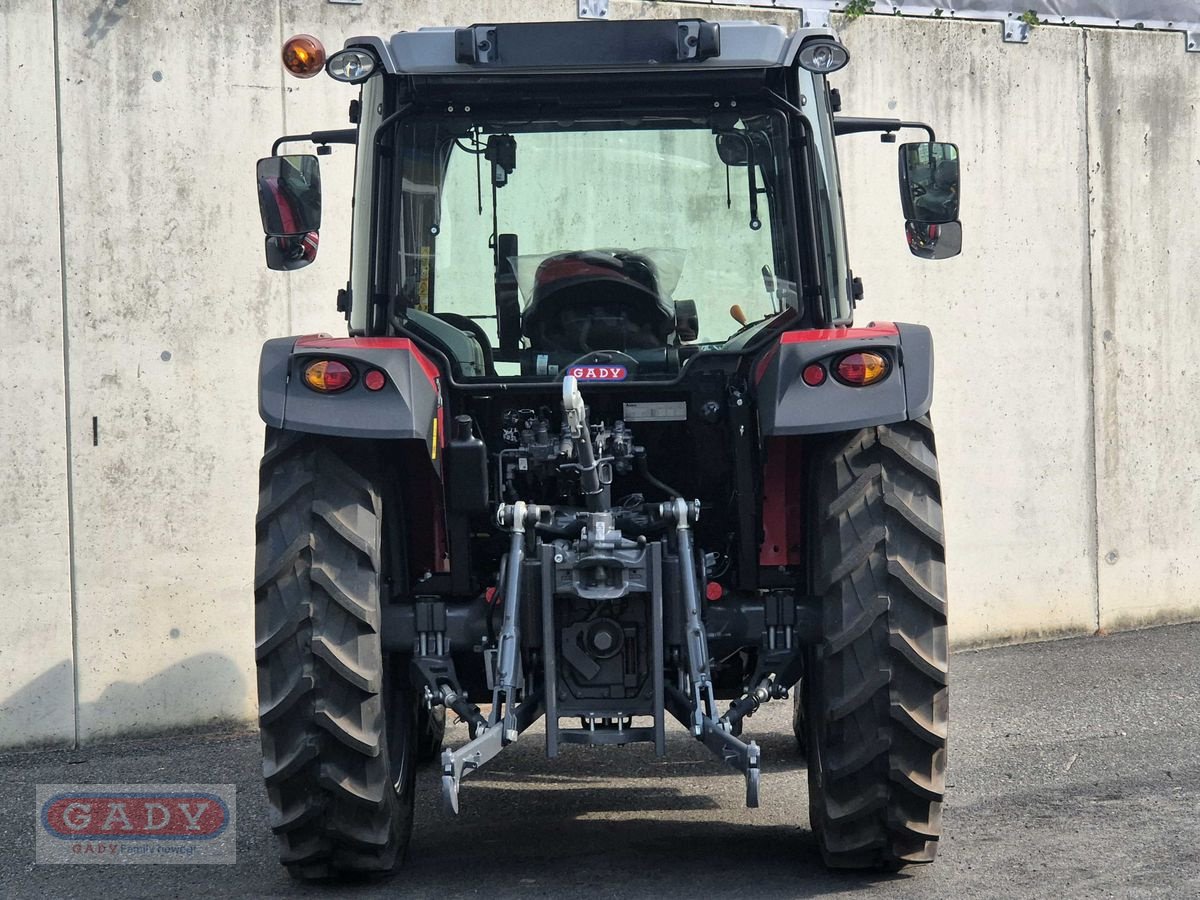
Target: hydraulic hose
x,y
643,470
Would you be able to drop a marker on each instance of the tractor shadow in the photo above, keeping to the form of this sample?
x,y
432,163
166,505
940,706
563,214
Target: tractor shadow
x,y
616,824
562,856
590,840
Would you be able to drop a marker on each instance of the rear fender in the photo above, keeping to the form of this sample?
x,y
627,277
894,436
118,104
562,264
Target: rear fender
x,y
786,405
408,406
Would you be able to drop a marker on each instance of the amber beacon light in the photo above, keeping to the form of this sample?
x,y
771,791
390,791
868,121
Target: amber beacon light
x,y
303,55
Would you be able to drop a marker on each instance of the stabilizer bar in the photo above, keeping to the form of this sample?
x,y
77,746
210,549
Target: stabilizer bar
x,y
698,712
488,742
731,750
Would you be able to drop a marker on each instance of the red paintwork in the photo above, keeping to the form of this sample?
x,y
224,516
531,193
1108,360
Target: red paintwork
x,y
783,504
760,369
328,342
425,510
874,330
558,269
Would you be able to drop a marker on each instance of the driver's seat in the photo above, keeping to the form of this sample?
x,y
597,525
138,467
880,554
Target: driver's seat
x,y
585,301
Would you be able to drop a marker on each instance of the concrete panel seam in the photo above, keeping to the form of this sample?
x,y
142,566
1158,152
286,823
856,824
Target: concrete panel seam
x,y
1090,329
283,92
66,352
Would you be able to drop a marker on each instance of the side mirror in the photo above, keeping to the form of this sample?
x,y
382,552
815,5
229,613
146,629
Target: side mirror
x,y
289,195
934,241
288,252
929,183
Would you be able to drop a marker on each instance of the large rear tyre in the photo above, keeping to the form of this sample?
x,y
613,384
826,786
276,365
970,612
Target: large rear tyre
x,y
874,694
338,719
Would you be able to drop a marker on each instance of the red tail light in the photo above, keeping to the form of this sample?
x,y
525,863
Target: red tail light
x,y
328,376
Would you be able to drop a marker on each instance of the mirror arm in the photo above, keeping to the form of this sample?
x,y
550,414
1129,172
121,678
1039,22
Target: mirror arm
x,y
859,125
755,221
339,136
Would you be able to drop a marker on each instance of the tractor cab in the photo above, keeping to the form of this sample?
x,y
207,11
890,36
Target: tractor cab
x,y
648,189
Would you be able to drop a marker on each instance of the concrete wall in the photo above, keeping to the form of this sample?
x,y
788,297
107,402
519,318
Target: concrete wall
x,y
1143,130
1064,393
1062,331
37,695
1011,316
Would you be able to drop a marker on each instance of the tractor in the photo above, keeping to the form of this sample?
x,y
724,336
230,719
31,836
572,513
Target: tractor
x,y
602,445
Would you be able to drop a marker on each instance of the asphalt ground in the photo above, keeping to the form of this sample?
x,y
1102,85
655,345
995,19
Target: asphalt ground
x,y
1074,772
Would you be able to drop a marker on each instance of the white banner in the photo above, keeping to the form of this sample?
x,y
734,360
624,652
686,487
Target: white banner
x,y
1168,15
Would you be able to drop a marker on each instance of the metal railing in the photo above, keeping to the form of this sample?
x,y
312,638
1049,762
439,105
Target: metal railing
x,y
1019,17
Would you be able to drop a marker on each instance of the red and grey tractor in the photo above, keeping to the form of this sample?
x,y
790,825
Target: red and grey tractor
x,y
603,446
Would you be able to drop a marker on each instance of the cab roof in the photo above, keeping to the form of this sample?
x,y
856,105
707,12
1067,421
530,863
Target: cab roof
x,y
588,46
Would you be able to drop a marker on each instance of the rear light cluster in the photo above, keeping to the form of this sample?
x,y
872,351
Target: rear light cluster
x,y
331,376
861,368
857,369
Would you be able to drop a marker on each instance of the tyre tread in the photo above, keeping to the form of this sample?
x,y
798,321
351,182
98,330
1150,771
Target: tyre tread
x,y
320,664
881,707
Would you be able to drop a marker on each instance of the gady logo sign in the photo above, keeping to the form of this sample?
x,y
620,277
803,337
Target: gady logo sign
x,y
598,373
135,824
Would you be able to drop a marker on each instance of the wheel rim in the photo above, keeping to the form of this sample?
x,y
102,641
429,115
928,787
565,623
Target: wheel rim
x,y
400,725
816,770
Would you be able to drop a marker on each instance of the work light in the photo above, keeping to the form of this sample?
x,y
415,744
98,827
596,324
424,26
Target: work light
x,y
352,65
823,55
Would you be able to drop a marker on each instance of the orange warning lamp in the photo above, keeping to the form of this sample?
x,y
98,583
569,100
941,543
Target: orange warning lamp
x,y
303,55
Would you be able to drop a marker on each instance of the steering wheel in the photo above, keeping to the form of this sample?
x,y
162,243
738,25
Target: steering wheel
x,y
601,358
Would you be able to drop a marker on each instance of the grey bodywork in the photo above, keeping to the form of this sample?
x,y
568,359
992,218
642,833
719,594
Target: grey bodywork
x,y
786,405
406,407
409,402
744,44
